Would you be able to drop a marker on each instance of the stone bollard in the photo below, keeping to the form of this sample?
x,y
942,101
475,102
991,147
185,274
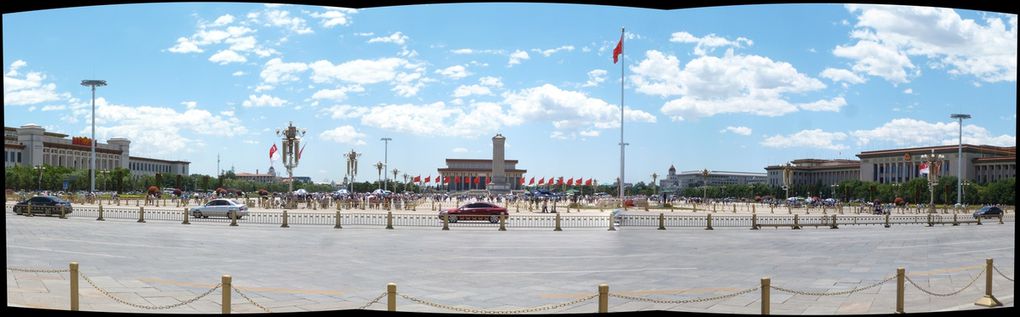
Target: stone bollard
x,y
141,214
930,224
446,221
796,222
834,225
611,228
954,221
284,225
502,222
338,226
225,291
603,298
185,222
389,220
74,286
662,221
100,214
900,274
753,209
233,218
62,213
709,221
391,297
557,223
766,287
887,220
734,208
979,221
754,222
988,300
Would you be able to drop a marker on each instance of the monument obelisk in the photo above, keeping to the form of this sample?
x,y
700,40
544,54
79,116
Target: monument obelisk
x,y
499,184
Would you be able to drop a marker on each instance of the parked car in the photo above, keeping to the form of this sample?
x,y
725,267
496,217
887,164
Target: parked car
x,y
220,208
50,205
988,212
475,211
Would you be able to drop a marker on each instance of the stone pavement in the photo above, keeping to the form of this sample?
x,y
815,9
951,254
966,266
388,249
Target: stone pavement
x,y
308,268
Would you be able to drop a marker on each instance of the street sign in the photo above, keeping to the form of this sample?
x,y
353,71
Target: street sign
x,y
65,185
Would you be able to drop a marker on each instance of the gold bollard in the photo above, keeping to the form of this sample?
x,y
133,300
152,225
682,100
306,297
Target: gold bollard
x,y
734,208
754,222
30,210
233,218
226,290
338,226
389,220
185,222
662,221
834,225
391,297
73,286
796,222
709,220
988,300
284,225
141,214
954,221
1000,220
979,221
558,223
752,208
502,222
603,298
899,290
887,220
766,286
930,224
611,228
446,221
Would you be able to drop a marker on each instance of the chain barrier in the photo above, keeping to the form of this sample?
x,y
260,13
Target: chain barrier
x,y
263,308
38,270
947,294
87,279
376,300
846,292
500,312
1000,273
685,301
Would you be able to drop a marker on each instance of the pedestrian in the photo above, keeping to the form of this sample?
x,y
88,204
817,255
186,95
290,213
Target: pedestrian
x,y
545,206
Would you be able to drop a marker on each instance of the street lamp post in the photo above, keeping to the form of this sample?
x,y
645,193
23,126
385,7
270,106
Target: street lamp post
x,y
655,191
787,179
405,181
959,158
395,171
704,176
40,168
934,163
379,167
291,140
834,187
386,155
92,158
352,168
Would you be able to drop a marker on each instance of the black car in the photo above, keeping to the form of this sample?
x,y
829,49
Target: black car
x,y
988,212
44,205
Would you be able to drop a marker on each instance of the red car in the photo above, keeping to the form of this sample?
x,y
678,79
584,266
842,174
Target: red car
x,y
475,211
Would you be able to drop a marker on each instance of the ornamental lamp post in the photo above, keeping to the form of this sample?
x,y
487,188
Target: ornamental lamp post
x,y
704,185
379,167
655,191
787,178
395,171
386,155
291,155
352,168
934,164
405,181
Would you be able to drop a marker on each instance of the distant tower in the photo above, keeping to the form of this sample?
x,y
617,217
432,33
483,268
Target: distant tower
x,y
499,183
672,170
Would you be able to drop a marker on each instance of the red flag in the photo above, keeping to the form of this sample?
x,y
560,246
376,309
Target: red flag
x,y
456,179
522,180
272,151
417,179
446,179
299,151
618,50
570,182
541,181
428,179
532,182
560,182
476,180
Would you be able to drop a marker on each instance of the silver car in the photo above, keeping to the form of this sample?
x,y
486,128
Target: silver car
x,y
220,208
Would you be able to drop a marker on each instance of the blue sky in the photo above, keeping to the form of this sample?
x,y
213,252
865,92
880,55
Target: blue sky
x,y
731,88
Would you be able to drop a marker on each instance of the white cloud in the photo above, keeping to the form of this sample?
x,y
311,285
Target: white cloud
x,y
364,33
807,138
184,45
190,104
913,132
282,18
962,46
29,89
842,75
711,42
438,119
238,73
344,135
276,71
54,108
338,94
595,77
223,20
158,131
395,38
226,57
406,78
491,81
454,72
459,150
345,111
551,51
710,85
467,51
263,101
264,87
334,16
567,110
464,91
908,91
517,56
737,130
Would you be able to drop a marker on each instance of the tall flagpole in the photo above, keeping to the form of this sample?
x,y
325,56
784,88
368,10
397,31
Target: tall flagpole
x,y
622,61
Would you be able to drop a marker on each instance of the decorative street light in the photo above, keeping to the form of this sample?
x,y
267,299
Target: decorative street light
x,y
959,158
395,171
352,167
934,164
834,187
291,156
655,190
405,182
965,184
787,178
379,166
92,143
40,168
386,155
704,184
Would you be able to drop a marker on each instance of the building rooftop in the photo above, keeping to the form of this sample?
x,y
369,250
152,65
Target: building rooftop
x,y
987,149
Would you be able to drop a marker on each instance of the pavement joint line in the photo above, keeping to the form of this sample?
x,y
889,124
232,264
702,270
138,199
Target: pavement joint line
x,y
975,251
62,251
253,289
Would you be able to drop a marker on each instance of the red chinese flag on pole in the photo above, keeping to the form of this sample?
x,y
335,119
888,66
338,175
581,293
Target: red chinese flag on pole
x,y
532,182
570,182
428,179
417,179
272,151
541,181
618,50
559,181
522,181
588,182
